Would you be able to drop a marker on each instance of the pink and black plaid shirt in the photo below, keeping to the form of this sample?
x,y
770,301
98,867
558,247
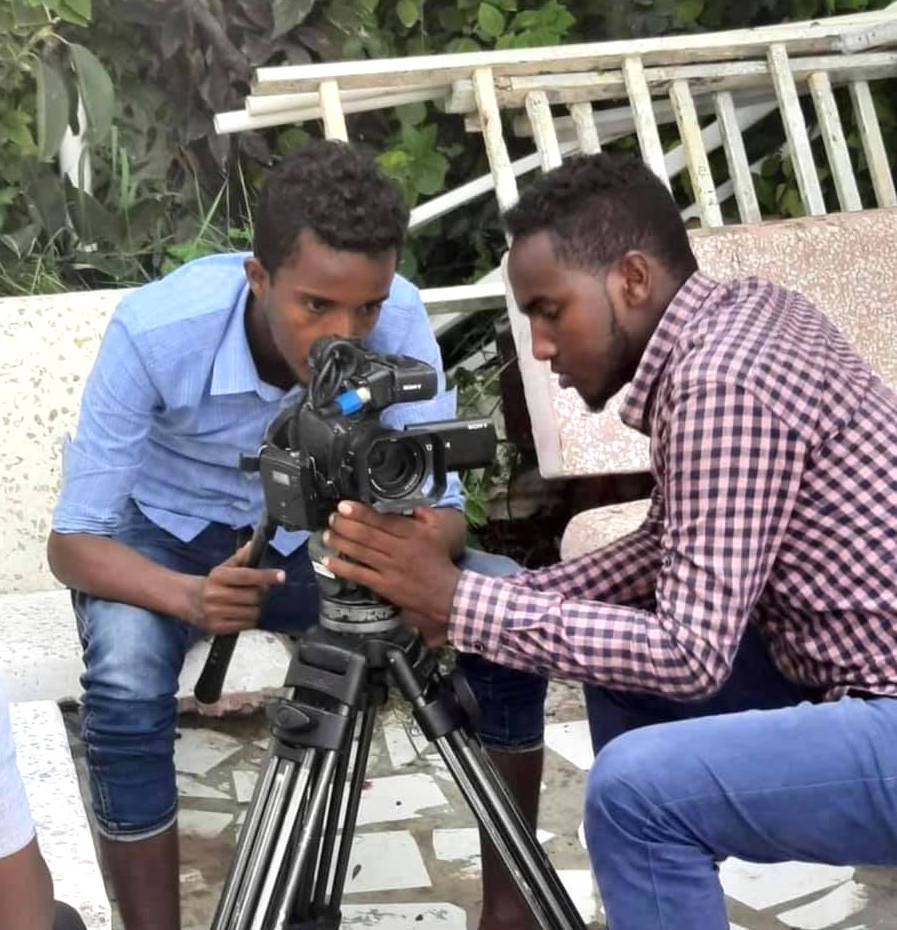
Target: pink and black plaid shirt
x,y
774,449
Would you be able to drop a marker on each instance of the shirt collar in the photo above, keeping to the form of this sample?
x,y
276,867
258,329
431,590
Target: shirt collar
x,y
636,406
233,370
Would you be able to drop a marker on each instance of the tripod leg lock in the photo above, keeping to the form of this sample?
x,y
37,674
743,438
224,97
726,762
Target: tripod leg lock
x,y
301,725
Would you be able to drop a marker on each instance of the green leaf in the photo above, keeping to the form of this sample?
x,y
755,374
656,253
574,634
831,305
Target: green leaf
x,y
491,20
791,204
92,221
688,11
15,125
408,12
412,113
289,14
52,109
451,18
44,189
75,11
96,90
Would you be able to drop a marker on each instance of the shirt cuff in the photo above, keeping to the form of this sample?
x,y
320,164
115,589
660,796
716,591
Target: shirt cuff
x,y
477,608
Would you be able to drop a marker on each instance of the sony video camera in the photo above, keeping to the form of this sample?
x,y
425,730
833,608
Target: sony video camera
x,y
331,446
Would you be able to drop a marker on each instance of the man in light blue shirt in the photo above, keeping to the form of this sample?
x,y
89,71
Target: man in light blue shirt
x,y
191,371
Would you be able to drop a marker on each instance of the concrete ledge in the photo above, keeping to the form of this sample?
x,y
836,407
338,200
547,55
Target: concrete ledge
x,y
41,657
593,529
63,832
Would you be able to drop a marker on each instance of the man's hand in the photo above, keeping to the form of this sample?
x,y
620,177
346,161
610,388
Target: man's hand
x,y
230,598
404,559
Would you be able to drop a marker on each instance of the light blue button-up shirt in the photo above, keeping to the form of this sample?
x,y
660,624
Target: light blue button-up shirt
x,y
174,397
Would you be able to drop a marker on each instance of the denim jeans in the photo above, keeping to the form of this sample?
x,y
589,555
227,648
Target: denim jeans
x,y
133,658
757,772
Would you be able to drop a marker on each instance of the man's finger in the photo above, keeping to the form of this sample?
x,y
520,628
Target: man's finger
x,y
240,556
390,524
344,532
241,596
250,577
360,552
353,571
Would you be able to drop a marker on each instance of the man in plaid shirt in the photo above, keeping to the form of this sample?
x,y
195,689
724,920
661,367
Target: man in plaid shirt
x,y
752,619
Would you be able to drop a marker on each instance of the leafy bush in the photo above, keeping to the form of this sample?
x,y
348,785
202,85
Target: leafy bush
x,y
165,187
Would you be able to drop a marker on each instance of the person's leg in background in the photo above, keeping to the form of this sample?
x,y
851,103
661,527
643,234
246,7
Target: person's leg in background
x,y
510,727
665,803
133,659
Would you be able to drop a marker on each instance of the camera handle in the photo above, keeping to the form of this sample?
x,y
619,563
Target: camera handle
x,y
211,680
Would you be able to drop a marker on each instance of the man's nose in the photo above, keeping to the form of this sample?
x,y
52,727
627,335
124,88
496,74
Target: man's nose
x,y
346,324
544,348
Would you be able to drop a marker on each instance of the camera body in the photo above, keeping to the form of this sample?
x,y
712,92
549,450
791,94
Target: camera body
x,y
332,446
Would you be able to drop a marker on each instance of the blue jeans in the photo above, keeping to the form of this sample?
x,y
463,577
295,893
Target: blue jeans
x,y
133,658
666,801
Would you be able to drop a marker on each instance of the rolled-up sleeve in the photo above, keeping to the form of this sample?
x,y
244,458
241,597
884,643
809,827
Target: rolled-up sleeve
x,y
101,464
420,343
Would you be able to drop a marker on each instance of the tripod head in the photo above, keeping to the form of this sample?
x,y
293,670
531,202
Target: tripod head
x,y
331,446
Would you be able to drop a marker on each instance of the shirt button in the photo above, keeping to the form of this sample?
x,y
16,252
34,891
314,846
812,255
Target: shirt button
x,y
666,561
479,647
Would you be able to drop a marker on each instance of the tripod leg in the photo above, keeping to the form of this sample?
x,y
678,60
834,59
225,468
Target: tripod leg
x,y
260,853
491,802
301,857
236,874
274,865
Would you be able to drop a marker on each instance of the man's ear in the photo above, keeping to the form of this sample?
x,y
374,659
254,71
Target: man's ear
x,y
258,277
634,279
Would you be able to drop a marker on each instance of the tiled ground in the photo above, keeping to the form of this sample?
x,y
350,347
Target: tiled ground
x,y
415,861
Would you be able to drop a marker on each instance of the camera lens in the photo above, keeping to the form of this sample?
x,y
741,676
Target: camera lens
x,y
396,468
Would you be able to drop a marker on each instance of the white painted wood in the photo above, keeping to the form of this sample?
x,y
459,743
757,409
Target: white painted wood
x,y
857,40
645,123
815,37
332,111
496,150
464,298
539,112
695,155
576,87
241,120
272,103
621,120
835,143
739,169
795,130
445,203
74,154
586,131
873,144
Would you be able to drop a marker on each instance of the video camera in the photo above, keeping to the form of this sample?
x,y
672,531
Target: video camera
x,y
332,446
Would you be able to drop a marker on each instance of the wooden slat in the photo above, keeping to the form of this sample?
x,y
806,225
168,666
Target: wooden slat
x,y
332,111
739,169
695,156
496,150
539,113
815,37
795,131
835,143
583,117
271,103
242,120
703,78
856,40
873,144
645,123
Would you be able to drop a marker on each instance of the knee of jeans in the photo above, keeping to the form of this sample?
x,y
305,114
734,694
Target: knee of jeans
x,y
487,563
130,654
621,796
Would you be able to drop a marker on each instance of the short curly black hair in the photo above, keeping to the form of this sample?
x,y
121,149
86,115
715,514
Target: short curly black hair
x,y
598,207
337,193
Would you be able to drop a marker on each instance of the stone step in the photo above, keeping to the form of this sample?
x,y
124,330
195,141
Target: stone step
x,y
45,761
41,656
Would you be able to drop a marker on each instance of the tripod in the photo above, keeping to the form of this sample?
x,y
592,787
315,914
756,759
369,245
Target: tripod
x,y
292,856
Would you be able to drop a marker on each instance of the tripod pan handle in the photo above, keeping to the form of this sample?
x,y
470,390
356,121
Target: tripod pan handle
x,y
211,680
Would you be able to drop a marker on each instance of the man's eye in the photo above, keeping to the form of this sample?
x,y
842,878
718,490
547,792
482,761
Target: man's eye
x,y
549,311
371,309
315,305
